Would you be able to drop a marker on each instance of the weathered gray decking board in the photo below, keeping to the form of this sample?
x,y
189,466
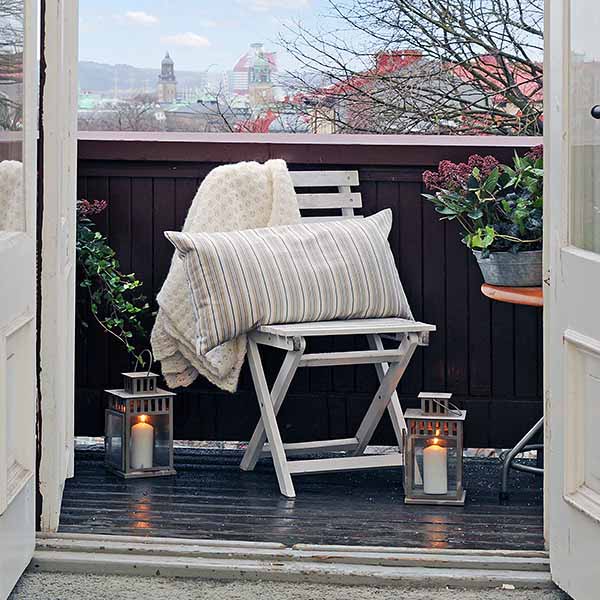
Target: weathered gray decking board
x,y
210,498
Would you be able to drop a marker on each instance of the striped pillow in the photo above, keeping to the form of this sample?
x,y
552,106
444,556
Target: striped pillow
x,y
291,274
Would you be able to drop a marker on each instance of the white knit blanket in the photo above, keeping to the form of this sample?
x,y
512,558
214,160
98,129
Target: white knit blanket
x,y
242,196
12,202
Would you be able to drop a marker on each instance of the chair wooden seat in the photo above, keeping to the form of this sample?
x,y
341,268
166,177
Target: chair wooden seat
x,y
390,363
348,327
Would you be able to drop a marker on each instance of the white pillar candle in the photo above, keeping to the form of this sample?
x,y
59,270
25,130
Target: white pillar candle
x,y
142,444
435,470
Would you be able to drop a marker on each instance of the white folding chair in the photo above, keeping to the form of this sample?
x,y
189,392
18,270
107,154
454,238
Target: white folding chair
x,y
389,363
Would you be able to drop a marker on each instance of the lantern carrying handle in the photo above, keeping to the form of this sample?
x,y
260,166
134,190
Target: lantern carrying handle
x,y
452,408
137,361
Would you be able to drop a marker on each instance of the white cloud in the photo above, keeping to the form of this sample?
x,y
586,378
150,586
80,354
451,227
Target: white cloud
x,y
268,5
138,17
189,40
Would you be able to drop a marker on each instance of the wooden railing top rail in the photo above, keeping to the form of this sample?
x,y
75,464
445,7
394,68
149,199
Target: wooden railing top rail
x,y
408,150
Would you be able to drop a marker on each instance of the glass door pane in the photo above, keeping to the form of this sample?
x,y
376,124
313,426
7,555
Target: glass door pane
x,y
12,201
584,126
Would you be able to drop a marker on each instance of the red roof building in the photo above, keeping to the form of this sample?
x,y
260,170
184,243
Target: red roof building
x,y
350,98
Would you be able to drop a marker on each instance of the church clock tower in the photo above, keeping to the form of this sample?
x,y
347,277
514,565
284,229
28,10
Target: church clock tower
x,y
260,86
167,84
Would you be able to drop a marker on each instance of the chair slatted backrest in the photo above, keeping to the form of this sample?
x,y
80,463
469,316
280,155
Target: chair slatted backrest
x,y
324,199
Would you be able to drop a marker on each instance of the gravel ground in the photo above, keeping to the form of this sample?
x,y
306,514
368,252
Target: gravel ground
x,y
52,586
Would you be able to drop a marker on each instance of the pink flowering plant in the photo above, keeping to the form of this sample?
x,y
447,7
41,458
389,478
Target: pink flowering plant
x,y
499,207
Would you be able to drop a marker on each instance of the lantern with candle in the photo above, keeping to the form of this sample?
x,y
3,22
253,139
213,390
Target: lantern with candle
x,y
139,428
433,452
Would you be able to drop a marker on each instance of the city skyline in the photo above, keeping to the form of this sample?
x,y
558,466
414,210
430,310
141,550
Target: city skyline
x,y
198,35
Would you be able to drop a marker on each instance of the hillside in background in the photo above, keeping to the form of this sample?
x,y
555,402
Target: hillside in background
x,y
101,78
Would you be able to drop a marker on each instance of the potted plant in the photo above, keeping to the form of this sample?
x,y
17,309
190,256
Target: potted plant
x,y
499,208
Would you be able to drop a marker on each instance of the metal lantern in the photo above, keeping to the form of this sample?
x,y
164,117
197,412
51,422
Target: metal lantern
x,y
433,452
139,428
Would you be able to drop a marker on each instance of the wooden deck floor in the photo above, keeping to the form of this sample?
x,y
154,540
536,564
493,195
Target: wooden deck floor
x,y
210,498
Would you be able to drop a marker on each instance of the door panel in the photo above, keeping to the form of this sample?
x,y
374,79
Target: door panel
x,y
18,380
572,314
582,452
18,176
17,531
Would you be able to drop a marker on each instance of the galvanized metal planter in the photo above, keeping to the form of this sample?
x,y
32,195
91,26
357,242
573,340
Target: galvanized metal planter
x,y
523,269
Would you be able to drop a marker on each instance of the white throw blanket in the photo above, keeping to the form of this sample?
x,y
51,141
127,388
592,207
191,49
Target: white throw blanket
x,y
12,202
242,196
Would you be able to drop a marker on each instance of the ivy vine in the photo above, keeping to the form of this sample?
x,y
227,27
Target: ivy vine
x,y
114,299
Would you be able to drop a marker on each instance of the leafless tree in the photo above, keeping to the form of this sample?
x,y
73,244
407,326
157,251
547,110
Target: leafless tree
x,y
11,64
86,121
429,66
222,115
136,113
212,115
11,33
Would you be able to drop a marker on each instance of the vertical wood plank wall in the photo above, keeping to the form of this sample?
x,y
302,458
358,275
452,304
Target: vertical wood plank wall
x,y
488,354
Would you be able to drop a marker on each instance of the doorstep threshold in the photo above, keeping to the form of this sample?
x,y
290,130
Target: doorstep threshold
x,y
333,564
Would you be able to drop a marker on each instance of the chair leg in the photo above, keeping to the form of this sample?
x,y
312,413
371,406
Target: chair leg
x,y
383,396
521,446
394,407
269,421
278,393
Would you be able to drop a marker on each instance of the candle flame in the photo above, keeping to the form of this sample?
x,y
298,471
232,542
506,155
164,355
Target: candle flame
x,y
143,418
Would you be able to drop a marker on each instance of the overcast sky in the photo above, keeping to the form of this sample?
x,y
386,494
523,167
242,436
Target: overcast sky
x,y
197,33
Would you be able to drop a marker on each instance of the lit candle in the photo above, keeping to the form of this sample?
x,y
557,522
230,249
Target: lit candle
x,y
142,444
435,469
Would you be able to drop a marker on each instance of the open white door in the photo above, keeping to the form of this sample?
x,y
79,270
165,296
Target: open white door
x,y
57,298
572,301
18,173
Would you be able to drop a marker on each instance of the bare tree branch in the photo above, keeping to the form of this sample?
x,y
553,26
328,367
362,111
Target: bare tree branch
x,y
428,66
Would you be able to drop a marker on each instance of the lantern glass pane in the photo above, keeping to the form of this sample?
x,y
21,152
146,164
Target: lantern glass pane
x,y
114,439
436,460
162,441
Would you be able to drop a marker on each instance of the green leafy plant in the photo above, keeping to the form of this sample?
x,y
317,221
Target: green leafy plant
x,y
499,207
113,298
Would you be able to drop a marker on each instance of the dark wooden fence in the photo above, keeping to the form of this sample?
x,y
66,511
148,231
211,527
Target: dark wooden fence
x,y
488,354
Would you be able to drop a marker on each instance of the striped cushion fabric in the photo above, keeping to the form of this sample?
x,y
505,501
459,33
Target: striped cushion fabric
x,y
291,274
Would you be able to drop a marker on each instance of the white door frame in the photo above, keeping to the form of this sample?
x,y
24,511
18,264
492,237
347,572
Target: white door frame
x,y
59,97
553,129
